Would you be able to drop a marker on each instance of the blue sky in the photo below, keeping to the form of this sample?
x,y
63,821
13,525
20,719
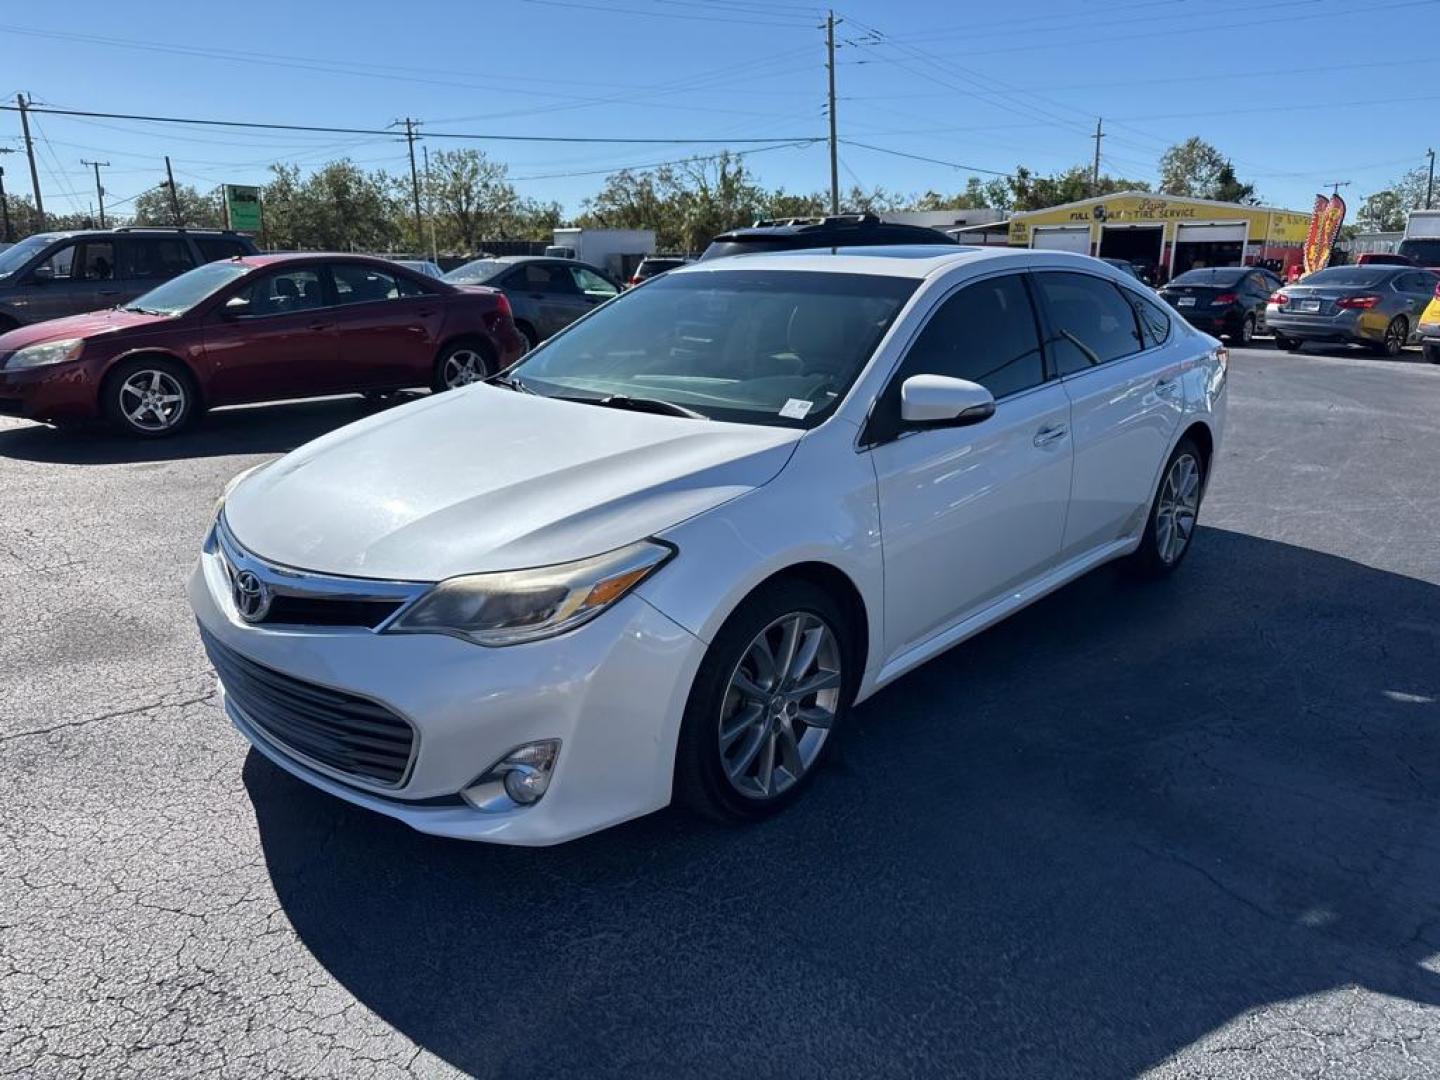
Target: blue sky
x,y
1299,92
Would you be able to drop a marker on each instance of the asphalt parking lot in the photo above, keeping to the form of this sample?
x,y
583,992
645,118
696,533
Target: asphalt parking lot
x,y
1190,828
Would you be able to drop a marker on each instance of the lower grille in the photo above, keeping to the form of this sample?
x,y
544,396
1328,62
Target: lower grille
x,y
349,734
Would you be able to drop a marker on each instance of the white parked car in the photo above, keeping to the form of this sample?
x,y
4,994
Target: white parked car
x,y
664,555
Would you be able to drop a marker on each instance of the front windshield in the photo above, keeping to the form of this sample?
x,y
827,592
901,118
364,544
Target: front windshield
x,y
13,258
1214,275
474,272
182,293
774,347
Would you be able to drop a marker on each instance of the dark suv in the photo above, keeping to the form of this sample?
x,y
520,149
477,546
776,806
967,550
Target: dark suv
x,y
50,275
842,230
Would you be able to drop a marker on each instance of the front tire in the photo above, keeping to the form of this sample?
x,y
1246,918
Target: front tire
x,y
150,398
773,688
1174,513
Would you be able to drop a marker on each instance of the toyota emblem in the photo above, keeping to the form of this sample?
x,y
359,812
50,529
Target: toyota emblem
x,y
251,596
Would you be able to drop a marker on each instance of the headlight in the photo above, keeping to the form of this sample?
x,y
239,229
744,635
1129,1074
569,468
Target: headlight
x,y
52,352
513,606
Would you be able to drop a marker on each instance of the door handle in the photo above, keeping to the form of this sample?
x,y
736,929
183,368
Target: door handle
x,y
319,326
1051,433
1167,387
425,311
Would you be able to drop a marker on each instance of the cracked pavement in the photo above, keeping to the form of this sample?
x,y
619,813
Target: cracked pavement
x,y
1185,830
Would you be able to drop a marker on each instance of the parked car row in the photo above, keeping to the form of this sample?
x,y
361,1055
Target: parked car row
x,y
1379,306
255,328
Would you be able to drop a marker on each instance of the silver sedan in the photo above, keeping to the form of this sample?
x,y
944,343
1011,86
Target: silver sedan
x,y
1375,306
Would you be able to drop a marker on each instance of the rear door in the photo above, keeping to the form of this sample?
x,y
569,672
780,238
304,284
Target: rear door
x,y
552,292
1418,288
273,337
387,327
1125,395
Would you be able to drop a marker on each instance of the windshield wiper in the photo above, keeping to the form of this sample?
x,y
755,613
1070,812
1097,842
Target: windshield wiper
x,y
645,404
142,310
510,382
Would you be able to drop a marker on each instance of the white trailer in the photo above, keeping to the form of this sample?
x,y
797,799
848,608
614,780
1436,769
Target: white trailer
x,y
616,251
1422,238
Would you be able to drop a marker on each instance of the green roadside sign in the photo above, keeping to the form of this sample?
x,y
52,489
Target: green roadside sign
x,y
242,208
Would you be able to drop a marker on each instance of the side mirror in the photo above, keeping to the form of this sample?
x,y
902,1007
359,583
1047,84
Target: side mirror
x,y
235,307
941,401
42,275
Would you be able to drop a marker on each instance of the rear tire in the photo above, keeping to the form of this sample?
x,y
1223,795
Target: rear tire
x,y
1396,334
751,740
150,397
1174,513
1283,342
1431,351
1247,331
528,333
461,363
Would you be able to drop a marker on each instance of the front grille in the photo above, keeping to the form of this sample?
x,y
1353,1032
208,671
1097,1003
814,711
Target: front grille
x,y
349,734
329,611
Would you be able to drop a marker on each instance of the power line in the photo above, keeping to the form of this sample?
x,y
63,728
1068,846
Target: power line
x,y
663,164
598,139
610,10
922,157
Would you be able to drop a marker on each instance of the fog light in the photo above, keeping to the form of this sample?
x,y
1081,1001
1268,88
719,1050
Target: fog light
x,y
520,778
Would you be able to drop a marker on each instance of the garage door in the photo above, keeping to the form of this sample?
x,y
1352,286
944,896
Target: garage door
x,y
1062,238
1212,234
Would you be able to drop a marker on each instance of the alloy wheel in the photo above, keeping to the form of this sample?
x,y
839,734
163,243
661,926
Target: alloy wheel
x,y
463,367
780,705
152,400
1395,336
1247,330
1177,509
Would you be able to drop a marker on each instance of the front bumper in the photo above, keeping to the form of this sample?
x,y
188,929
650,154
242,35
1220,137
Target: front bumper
x,y
60,392
612,691
1349,325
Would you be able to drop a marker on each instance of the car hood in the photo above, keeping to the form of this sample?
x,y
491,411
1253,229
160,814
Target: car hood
x,y
487,479
89,325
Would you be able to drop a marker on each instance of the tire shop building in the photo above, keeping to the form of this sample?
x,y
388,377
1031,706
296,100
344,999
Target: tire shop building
x,y
1167,234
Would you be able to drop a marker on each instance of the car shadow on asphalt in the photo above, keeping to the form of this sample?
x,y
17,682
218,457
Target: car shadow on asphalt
x,y
1071,846
250,429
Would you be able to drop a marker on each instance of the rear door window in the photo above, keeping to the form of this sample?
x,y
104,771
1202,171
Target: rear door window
x,y
1089,321
592,284
154,258
357,284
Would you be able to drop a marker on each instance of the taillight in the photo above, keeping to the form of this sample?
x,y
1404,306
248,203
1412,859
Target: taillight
x,y
1437,290
1225,298
1279,299
636,280
503,305
1364,303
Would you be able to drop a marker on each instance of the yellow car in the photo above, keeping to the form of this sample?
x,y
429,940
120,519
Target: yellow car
x,y
1429,328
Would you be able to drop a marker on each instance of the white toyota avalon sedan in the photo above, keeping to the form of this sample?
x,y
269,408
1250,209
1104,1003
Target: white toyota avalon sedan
x,y
664,555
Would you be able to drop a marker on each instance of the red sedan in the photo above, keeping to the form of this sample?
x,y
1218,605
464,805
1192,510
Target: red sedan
x,y
257,328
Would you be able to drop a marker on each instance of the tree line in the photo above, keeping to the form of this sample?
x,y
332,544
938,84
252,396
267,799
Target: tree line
x,y
468,197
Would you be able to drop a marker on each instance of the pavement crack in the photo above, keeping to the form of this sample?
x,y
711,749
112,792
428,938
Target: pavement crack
x,y
114,715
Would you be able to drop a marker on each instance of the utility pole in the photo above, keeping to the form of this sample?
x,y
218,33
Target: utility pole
x,y
174,195
1430,184
834,143
8,235
414,179
430,207
34,173
99,191
1095,171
